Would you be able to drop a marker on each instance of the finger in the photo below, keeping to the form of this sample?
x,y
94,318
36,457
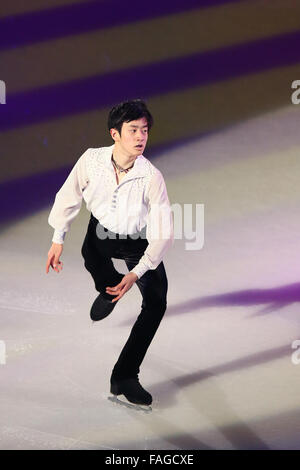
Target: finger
x,y
122,292
119,294
47,266
49,263
59,266
118,297
112,289
113,292
56,266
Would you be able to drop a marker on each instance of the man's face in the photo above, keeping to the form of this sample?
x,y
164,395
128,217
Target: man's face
x,y
134,136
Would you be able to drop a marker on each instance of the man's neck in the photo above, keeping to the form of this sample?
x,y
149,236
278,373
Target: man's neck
x,y
123,160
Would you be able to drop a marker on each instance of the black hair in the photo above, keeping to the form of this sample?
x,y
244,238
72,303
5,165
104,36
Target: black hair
x,y
128,111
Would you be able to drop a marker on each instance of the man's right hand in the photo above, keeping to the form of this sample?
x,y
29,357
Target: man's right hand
x,y
53,257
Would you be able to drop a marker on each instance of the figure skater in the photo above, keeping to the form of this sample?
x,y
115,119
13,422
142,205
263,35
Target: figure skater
x,y
131,219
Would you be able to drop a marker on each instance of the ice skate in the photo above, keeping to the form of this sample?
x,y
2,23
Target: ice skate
x,y
132,391
101,308
124,402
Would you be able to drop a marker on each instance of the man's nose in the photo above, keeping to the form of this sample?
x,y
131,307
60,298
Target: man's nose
x,y
141,135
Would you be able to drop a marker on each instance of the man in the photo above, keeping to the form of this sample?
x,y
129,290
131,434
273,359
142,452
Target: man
x,y
131,219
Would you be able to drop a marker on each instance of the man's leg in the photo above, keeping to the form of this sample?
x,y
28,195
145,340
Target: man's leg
x,y
153,286
98,262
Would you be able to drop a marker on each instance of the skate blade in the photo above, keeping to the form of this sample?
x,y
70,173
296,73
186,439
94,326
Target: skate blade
x,y
127,404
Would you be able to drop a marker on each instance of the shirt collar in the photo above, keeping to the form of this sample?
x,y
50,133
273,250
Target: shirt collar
x,y
139,168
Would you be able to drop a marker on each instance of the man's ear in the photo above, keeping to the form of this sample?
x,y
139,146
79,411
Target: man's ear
x,y
114,134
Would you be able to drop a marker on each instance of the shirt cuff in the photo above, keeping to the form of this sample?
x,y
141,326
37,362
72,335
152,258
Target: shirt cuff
x,y
58,236
140,269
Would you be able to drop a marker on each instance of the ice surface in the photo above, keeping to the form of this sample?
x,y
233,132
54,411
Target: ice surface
x,y
219,367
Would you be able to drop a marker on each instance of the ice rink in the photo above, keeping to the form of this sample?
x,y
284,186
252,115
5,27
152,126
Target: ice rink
x,y
221,368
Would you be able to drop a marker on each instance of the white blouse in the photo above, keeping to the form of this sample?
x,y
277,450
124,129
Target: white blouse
x,y
139,200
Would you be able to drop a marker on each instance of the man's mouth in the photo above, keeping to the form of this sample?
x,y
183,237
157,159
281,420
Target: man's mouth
x,y
139,146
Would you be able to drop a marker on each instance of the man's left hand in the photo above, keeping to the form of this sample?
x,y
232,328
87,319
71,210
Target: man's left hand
x,y
123,286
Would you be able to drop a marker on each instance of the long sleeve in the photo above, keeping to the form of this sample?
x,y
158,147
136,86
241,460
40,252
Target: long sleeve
x,y
68,199
160,226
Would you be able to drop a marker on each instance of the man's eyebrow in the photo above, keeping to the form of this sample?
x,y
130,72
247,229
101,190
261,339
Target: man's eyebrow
x,y
134,125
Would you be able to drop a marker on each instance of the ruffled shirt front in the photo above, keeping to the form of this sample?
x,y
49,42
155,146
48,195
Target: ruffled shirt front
x,y
140,200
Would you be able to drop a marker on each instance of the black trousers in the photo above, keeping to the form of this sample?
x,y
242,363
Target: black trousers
x,y
153,285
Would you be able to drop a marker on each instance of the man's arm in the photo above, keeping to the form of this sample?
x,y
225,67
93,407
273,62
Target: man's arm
x,y
68,200
66,206
160,226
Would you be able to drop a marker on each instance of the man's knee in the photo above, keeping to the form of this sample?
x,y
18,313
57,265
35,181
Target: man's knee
x,y
85,257
157,305
84,250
